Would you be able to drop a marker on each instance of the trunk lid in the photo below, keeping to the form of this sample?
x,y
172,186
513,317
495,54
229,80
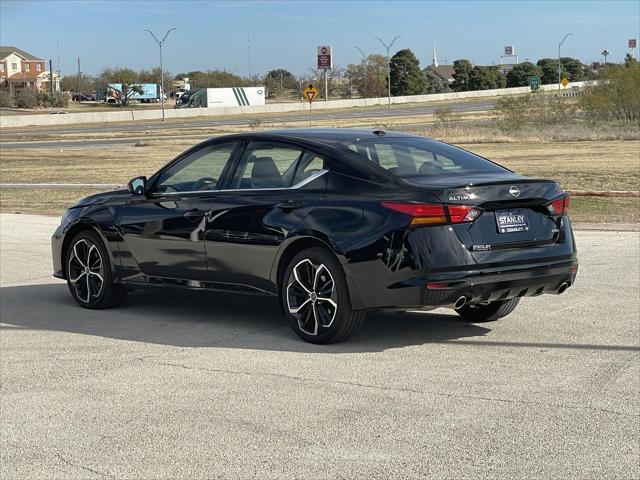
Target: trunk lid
x,y
514,211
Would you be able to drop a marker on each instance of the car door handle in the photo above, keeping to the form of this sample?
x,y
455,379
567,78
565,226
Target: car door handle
x,y
194,214
289,205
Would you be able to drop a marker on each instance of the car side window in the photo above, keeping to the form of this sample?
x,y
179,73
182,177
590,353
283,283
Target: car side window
x,y
200,170
266,165
309,164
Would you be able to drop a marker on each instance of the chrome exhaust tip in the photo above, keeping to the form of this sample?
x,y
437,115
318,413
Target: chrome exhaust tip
x,y
562,288
460,302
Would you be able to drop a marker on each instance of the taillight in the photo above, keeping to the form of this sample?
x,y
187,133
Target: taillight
x,y
560,205
433,214
420,213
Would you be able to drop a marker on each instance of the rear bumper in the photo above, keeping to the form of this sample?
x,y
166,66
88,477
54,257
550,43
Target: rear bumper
x,y
499,283
441,288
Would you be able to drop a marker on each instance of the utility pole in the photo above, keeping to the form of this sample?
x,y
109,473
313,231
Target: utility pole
x,y
388,47
51,75
559,61
79,86
249,53
160,44
364,72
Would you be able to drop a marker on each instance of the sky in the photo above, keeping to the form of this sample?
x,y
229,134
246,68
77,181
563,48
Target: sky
x,y
285,34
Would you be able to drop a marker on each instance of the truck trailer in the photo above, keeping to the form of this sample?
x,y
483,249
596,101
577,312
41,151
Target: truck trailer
x,y
222,97
150,93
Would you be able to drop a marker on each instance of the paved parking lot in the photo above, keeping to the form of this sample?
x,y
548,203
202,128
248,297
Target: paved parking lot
x,y
199,385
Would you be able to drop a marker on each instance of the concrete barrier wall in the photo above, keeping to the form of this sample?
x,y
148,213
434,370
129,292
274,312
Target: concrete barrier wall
x,y
9,121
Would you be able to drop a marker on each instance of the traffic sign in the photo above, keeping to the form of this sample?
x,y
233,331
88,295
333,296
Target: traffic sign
x,y
534,82
633,43
325,57
564,82
310,93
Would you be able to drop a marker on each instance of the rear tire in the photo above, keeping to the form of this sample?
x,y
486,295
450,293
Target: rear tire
x,y
89,274
488,313
315,298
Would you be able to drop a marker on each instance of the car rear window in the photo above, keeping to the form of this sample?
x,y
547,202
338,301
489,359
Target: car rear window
x,y
417,157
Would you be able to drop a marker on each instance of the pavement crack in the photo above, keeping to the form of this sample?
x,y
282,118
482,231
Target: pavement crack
x,y
395,389
96,472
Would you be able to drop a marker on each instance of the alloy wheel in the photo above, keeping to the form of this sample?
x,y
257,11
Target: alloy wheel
x,y
312,296
85,270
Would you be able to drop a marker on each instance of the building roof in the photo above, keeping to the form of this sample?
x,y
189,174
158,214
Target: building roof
x,y
5,51
443,71
30,75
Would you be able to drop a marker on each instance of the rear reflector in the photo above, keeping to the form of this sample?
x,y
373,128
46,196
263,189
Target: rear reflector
x,y
438,285
420,213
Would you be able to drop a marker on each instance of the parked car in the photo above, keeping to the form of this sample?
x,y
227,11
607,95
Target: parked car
x,y
334,223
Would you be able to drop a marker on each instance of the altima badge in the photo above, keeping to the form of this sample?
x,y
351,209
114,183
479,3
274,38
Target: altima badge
x,y
515,191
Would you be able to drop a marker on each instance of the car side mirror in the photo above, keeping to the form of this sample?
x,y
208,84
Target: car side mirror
x,y
138,185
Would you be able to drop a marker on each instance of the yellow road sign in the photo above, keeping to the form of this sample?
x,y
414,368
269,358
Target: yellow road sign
x,y
310,93
564,82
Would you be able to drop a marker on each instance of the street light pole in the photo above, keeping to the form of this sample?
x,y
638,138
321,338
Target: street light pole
x,y
559,62
388,47
364,70
160,44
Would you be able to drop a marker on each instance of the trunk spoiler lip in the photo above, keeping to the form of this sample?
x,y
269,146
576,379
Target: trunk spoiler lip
x,y
474,182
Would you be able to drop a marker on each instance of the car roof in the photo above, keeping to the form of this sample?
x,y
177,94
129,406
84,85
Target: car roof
x,y
321,135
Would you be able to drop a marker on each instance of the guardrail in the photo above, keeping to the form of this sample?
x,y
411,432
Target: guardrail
x,y
12,121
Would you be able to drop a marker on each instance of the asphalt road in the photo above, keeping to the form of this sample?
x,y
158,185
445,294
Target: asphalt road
x,y
191,123
193,386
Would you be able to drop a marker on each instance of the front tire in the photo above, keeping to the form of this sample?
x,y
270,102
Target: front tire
x,y
488,313
89,274
315,298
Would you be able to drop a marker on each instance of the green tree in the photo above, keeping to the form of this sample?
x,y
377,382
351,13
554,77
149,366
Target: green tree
x,y
26,99
5,100
119,75
215,79
85,84
406,76
461,71
571,69
629,60
278,80
370,78
435,84
153,76
520,74
486,78
616,97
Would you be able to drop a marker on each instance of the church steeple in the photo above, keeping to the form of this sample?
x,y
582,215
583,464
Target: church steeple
x,y
435,56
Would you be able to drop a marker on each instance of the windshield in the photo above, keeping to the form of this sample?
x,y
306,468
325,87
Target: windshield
x,y
409,157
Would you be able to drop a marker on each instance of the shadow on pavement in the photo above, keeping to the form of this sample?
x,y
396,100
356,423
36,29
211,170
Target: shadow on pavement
x,y
205,319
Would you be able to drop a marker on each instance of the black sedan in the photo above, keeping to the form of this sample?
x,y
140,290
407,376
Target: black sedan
x,y
333,222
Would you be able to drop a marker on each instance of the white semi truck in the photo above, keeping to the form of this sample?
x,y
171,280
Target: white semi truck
x,y
222,97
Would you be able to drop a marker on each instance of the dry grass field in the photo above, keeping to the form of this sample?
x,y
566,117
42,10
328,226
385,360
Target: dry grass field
x,y
585,165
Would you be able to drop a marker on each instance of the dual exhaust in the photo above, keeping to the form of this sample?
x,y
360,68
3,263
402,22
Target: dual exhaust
x,y
462,300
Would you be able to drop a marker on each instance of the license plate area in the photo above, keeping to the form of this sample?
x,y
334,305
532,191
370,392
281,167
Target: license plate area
x,y
512,221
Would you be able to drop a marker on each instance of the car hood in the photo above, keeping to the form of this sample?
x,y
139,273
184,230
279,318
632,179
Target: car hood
x,y
99,198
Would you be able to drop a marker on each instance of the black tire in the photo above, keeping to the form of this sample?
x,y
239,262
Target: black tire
x,y
488,313
87,249
318,320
